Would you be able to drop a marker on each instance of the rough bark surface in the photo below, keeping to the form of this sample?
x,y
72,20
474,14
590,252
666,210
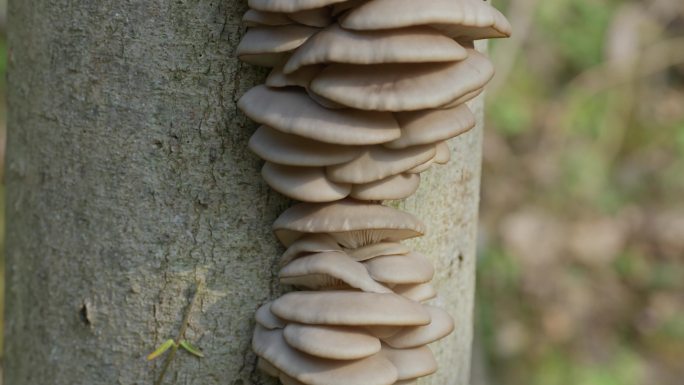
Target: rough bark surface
x,y
129,180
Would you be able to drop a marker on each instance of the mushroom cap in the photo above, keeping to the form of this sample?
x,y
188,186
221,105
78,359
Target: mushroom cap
x,y
267,319
398,186
463,99
293,112
299,78
401,269
377,249
254,18
382,331
317,17
443,154
431,126
411,363
310,370
309,244
416,292
291,150
349,308
351,223
423,166
460,19
308,184
379,162
262,45
408,45
440,326
267,367
332,342
329,270
289,6
399,87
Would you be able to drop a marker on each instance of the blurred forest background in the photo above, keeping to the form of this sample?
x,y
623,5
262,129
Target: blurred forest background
x,y
581,271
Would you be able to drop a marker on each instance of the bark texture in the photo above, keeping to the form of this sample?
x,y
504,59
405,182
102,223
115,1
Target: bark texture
x,y
129,180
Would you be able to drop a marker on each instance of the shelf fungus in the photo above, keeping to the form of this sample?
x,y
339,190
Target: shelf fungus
x,y
362,97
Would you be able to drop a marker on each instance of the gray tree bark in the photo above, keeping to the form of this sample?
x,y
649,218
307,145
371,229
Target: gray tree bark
x,y
129,180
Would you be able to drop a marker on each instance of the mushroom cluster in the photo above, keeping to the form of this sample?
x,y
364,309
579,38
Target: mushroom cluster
x,y
362,98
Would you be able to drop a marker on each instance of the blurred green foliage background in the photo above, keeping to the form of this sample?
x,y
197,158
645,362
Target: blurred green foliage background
x,y
581,271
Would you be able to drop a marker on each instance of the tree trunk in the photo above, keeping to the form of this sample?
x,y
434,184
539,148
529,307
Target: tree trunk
x,y
129,180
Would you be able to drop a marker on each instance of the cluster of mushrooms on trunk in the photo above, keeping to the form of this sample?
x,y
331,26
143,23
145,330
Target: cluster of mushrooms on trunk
x,y
362,98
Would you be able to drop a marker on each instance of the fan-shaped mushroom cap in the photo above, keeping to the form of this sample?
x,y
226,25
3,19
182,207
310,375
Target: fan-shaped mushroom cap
x,y
289,6
267,367
309,244
422,167
398,186
353,224
382,331
308,184
265,318
254,18
318,17
410,337
463,99
377,249
401,269
408,45
332,342
293,112
349,308
416,292
467,19
398,87
378,162
299,78
443,154
411,363
310,370
329,270
430,126
267,46
291,150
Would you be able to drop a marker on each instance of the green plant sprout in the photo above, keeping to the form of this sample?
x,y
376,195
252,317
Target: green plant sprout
x,y
173,345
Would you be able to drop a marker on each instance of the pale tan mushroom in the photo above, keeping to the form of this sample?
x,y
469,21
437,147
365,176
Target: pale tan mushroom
x,y
430,126
443,154
293,112
291,150
265,318
401,269
330,270
408,45
267,367
352,223
332,342
349,308
307,184
422,167
299,78
377,249
416,292
460,19
310,244
398,87
411,363
310,370
317,17
290,6
398,186
254,18
268,46
441,325
378,162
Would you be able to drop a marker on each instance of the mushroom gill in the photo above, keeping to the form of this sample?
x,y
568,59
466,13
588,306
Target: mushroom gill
x,y
362,97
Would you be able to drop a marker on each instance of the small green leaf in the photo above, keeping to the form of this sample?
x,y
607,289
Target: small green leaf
x,y
160,350
191,349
